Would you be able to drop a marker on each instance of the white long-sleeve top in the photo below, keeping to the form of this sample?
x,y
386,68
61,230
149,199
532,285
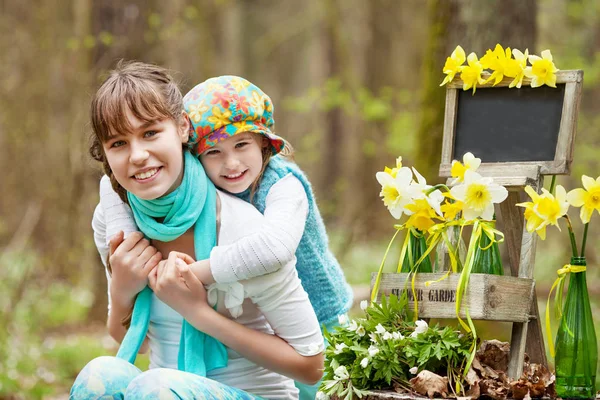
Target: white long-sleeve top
x,y
274,303
272,246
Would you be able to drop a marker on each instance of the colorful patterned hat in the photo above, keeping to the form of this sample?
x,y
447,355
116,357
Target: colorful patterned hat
x,y
225,106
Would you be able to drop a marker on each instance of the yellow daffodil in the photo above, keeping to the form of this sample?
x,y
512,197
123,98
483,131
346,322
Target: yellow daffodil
x,y
534,222
498,61
588,198
451,208
458,169
552,207
478,195
542,70
395,191
422,215
394,171
453,64
544,209
419,189
516,68
471,74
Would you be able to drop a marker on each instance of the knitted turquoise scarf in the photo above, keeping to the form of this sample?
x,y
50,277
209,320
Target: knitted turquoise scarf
x,y
193,203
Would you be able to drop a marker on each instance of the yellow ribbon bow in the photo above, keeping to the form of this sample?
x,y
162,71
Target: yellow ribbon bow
x,y
559,282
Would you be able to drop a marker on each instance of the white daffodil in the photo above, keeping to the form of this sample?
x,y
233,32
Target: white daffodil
x,y
479,195
413,370
395,191
352,326
470,162
360,331
420,327
373,350
341,373
397,336
343,319
364,304
387,336
364,362
339,348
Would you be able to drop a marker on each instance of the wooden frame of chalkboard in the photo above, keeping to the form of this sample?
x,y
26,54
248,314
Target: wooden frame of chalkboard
x,y
509,128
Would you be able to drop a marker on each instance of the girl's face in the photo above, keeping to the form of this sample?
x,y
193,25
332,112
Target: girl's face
x,y
148,161
235,163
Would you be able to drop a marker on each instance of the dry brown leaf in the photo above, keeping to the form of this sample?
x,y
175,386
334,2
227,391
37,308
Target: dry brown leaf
x,y
474,391
495,389
472,378
430,384
494,354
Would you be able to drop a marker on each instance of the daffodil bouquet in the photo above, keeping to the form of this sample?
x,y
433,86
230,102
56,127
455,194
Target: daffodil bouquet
x,y
434,213
576,354
501,63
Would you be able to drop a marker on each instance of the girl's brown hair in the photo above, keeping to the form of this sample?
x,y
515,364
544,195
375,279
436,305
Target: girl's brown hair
x,y
146,91
287,151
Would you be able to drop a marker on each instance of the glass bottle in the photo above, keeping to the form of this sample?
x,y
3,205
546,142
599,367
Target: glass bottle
x,y
442,257
576,347
487,261
417,245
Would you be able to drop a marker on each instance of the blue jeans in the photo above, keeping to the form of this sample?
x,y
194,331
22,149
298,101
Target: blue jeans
x,y
113,378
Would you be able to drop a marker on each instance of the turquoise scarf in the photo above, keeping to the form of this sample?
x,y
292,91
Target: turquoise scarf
x,y
193,203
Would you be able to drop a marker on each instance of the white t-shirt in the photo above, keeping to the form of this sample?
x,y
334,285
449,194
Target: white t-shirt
x,y
274,303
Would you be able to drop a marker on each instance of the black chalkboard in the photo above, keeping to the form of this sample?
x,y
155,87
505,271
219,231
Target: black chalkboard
x,y
509,125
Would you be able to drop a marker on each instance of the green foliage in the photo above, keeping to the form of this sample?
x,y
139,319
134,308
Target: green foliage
x,y
387,346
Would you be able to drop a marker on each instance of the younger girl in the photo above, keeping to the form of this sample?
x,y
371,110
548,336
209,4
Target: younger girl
x,y
139,132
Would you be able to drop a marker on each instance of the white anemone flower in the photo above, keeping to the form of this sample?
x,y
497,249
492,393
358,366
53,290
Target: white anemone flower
x,y
395,191
380,329
360,331
413,370
322,396
387,336
339,348
373,350
342,319
364,304
341,373
397,336
479,195
420,327
364,362
352,326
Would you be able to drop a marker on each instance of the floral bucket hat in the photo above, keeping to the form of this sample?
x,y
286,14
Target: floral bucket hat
x,y
225,106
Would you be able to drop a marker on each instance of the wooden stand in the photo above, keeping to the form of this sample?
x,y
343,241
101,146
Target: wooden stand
x,y
490,297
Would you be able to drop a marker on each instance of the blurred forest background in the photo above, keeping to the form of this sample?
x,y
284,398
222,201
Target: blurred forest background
x,y
355,84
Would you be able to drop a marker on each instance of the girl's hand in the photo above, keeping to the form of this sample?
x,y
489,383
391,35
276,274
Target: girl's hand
x,y
131,260
176,285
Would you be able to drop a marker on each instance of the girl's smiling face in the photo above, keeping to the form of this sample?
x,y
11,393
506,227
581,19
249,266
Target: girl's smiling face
x,y
148,160
236,162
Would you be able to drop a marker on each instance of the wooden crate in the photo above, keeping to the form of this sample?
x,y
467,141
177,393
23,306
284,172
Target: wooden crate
x,y
488,297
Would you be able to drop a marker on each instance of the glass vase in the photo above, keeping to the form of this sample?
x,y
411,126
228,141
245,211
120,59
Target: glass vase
x,y
417,245
487,261
576,347
442,252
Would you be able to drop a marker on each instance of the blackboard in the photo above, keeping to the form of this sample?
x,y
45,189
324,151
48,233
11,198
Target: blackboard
x,y
509,125
513,130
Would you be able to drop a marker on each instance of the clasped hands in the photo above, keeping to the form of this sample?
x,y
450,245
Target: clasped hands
x,y
136,263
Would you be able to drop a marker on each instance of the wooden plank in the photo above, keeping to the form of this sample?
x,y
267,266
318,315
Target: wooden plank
x,y
449,127
488,297
566,76
556,167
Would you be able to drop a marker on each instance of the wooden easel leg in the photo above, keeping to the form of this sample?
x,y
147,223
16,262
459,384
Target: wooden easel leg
x,y
526,337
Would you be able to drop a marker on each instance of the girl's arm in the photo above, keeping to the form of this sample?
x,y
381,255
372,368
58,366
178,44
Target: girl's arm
x,y
271,247
175,284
